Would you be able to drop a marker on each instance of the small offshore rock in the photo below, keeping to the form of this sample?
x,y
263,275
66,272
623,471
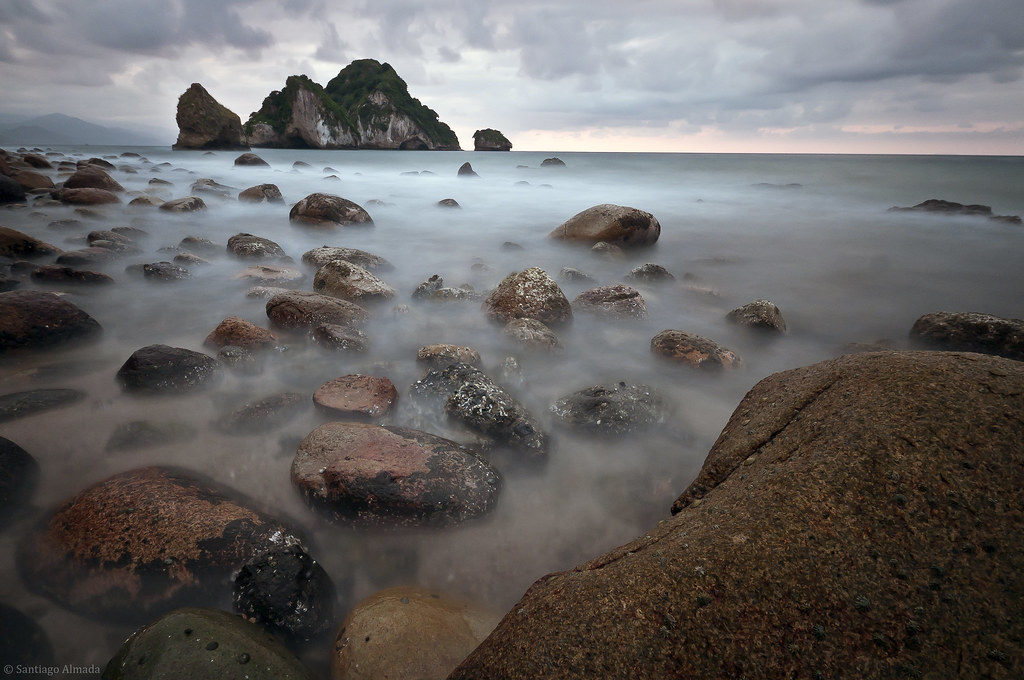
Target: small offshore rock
x,y
240,333
287,592
30,402
448,203
357,396
615,224
318,257
160,368
146,202
189,259
552,162
252,247
651,273
618,409
328,210
759,314
608,250
183,205
165,271
616,302
300,309
532,333
348,281
466,170
87,196
238,359
530,293
572,275
443,355
86,256
490,139
198,243
970,332
264,415
261,193
693,350
265,291
92,177
341,337
205,185
250,159
433,289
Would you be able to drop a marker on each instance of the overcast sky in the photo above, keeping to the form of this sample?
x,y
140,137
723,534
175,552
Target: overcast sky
x,y
880,76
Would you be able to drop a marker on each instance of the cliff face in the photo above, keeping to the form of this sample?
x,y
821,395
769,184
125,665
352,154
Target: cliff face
x,y
366,106
203,123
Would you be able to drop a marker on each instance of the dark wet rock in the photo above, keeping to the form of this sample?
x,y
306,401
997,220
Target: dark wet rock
x,y
160,368
572,275
204,644
189,259
198,244
58,274
204,123
32,182
7,283
261,193
141,542
433,289
248,246
146,202
341,337
328,210
369,474
862,511
300,309
937,205
87,256
298,165
264,415
164,271
650,273
511,245
19,473
20,245
24,642
443,355
267,274
287,592
490,139
142,434
110,239
31,319
466,170
448,203
357,396
251,159
87,196
183,205
615,224
265,291
156,181
760,315
65,224
407,633
100,162
240,333
318,257
31,402
348,281
608,250
531,294
693,350
211,187
472,399
618,409
92,177
11,191
552,162
532,333
241,360
37,161
613,302
971,332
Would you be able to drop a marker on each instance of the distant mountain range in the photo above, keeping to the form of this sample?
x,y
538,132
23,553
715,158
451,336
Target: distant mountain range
x,y
58,129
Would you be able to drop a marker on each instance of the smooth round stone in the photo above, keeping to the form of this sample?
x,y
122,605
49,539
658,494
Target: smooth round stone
x,y
159,368
348,281
248,246
264,415
372,474
357,396
532,333
240,333
615,224
326,210
693,350
760,315
318,257
184,204
531,294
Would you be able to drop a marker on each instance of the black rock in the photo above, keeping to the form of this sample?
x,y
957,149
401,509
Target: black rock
x,y
552,162
616,410
264,414
19,404
140,434
23,643
19,472
159,368
466,170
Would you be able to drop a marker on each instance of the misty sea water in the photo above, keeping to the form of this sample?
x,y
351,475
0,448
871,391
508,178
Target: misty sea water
x,y
809,232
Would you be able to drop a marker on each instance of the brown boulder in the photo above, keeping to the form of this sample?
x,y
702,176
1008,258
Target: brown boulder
x,y
301,309
971,332
858,518
30,319
267,275
328,210
530,294
92,177
318,257
442,355
356,396
184,204
342,279
532,333
261,193
617,302
693,350
372,474
760,315
61,275
15,244
31,180
142,542
87,196
240,333
613,224
250,159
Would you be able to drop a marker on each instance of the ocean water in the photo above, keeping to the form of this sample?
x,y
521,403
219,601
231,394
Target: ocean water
x,y
811,233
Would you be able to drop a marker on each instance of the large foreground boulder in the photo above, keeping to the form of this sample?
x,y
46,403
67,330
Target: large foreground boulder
x,y
609,223
31,319
203,123
857,518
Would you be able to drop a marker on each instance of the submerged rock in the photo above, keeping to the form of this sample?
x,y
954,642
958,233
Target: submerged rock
x,y
530,294
615,224
164,272
573,275
552,162
261,193
19,472
693,350
433,289
31,402
970,332
616,302
183,205
204,644
264,415
342,279
448,203
466,170
143,541
341,337
268,274
532,333
205,185
251,159
87,256
407,633
856,518
16,244
61,275
159,368
472,399
760,315
443,355
247,246
618,409
87,196
318,257
30,320
937,205
392,475
141,434
240,333
300,309
328,210
355,396
23,640
650,273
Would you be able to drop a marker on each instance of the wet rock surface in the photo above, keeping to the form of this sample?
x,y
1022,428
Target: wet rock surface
x,y
613,302
434,290
92,177
185,204
693,350
407,633
142,542
618,409
30,402
204,643
530,294
87,196
971,332
62,275
472,399
327,210
650,273
160,369
19,472
348,281
442,355
532,333
287,592
812,543
318,257
356,396
261,193
300,309
340,337
615,224
16,244
250,159
371,474
264,415
240,333
247,246
141,434
760,315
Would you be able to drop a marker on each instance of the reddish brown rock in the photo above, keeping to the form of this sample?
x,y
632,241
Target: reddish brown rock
x,y
142,542
240,333
693,350
530,294
31,180
59,274
261,193
614,224
355,396
184,204
369,474
92,177
616,302
31,319
760,315
327,210
301,309
858,518
442,355
15,244
87,196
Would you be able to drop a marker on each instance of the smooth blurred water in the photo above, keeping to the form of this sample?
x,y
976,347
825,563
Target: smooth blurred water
x,y
838,265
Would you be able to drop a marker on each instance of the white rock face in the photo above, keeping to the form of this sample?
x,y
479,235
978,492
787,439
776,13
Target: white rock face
x,y
310,123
